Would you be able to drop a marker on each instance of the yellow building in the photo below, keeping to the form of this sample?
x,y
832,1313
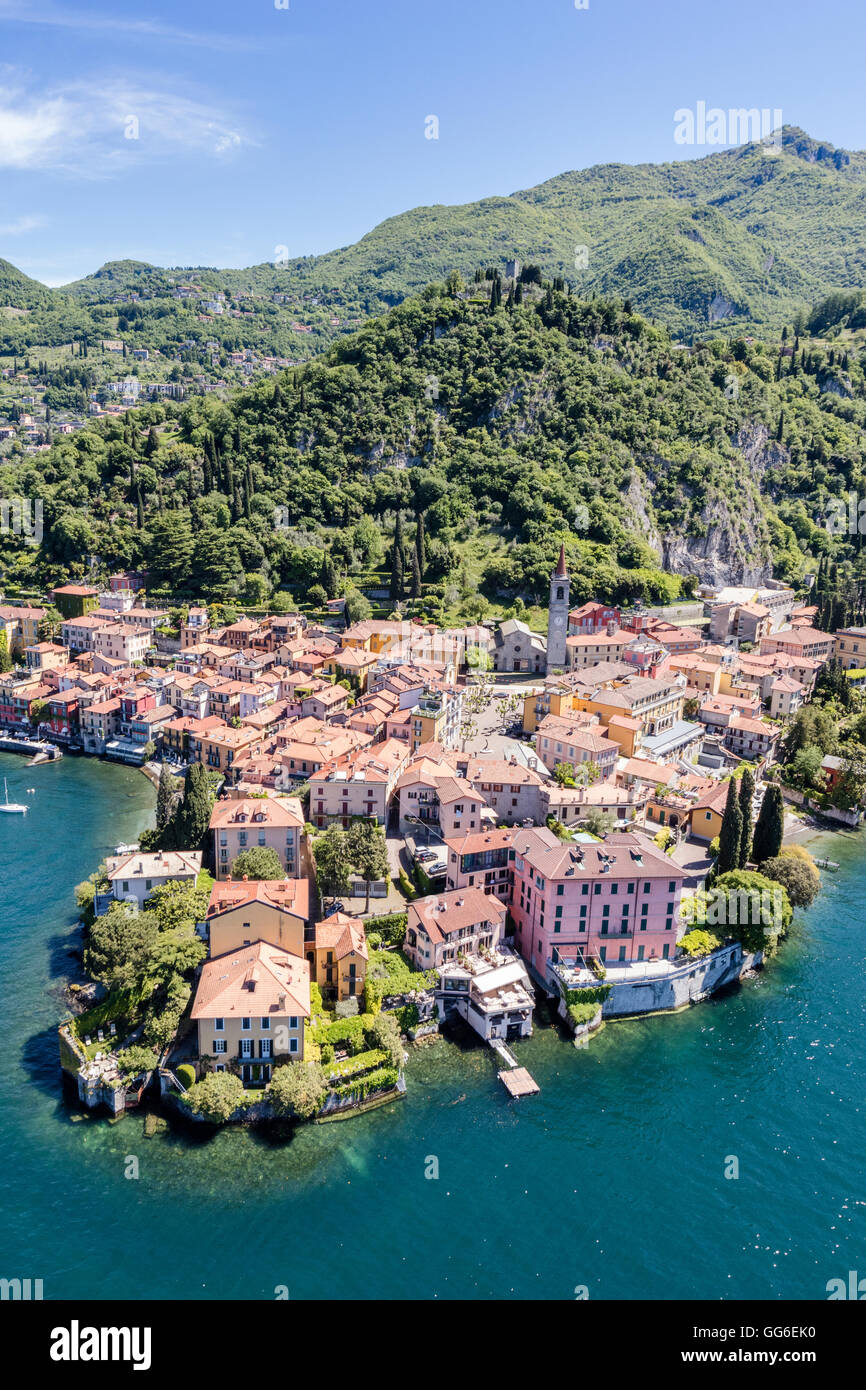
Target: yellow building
x,y
250,1006
241,912
353,664
340,960
553,699
850,648
708,811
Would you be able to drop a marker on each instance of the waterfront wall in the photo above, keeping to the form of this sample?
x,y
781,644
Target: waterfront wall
x,y
687,984
851,819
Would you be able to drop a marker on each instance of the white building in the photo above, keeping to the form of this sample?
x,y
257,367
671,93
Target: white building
x,y
133,877
491,993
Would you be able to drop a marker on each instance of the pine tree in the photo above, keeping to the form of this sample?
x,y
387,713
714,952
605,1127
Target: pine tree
x,y
747,791
770,827
731,832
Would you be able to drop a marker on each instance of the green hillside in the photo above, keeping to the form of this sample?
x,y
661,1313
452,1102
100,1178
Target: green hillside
x,y
507,428
738,241
18,291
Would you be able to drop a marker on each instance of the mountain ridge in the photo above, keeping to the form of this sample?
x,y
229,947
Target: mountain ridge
x,y
739,239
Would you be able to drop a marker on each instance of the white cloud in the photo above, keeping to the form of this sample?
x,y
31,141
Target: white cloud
x,y
85,21
87,129
29,222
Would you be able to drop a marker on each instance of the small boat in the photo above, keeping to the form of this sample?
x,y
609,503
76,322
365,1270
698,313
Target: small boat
x,y
827,864
12,806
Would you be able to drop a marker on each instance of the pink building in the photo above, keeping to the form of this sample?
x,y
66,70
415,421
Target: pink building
x,y
616,899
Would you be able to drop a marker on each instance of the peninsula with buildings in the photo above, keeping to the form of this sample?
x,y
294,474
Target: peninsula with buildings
x,y
369,833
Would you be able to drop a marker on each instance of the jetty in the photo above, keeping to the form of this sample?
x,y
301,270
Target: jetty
x,y
515,1079
518,1082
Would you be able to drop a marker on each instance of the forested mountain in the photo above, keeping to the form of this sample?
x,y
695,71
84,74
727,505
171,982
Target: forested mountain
x,y
506,426
739,240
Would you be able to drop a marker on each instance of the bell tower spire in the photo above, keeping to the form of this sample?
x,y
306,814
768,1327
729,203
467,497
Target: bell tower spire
x,y
557,618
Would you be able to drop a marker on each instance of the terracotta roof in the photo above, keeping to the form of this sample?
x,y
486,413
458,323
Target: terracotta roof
x,y
257,811
341,934
286,894
255,981
477,841
444,913
620,855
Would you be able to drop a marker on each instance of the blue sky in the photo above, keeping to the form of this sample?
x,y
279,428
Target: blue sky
x,y
261,127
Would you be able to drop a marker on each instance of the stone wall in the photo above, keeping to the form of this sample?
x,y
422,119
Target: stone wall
x,y
686,984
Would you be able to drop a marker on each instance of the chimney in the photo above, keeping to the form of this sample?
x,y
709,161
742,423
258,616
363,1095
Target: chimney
x,y
228,878
246,876
282,1003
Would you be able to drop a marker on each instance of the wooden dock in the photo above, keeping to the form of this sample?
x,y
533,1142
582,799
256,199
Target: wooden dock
x,y
518,1082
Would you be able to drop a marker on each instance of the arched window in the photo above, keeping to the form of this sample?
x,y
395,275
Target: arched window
x,y
560,592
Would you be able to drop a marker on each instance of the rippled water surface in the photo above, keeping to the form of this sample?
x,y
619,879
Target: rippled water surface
x,y
612,1177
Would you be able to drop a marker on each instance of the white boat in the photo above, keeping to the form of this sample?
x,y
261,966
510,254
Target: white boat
x,y
11,806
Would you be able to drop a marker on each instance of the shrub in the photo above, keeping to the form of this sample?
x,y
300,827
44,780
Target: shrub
x,y
391,928
298,1088
384,1033
346,1008
383,1079
133,1060
582,1013
370,1060
799,876
216,1096
185,1075
698,943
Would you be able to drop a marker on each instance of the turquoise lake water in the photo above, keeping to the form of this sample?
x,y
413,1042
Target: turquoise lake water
x,y
612,1177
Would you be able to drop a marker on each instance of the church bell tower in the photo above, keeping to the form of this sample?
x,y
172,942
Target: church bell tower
x,y
557,618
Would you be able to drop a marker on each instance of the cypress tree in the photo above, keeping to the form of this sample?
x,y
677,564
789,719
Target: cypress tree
x,y
770,827
165,798
328,576
416,574
731,832
398,562
747,791
421,544
193,816
396,587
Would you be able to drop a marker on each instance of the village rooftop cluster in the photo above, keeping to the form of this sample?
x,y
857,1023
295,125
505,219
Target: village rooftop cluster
x,y
546,800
